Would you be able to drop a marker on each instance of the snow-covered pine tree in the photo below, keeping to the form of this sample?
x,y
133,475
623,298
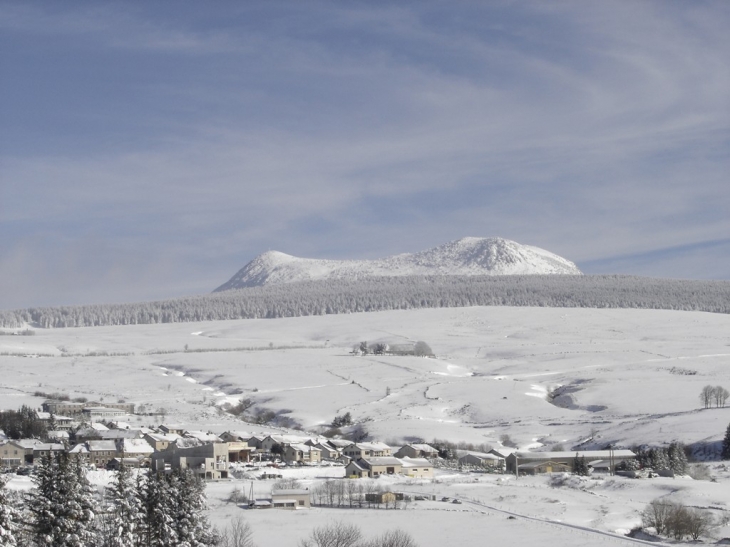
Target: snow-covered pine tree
x,y
725,454
677,458
62,505
193,529
8,519
158,511
125,517
82,506
580,466
659,459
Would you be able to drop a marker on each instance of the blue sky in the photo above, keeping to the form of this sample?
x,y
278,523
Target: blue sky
x,y
151,149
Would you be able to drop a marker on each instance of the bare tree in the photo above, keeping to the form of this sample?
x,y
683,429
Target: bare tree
x,y
287,484
337,534
707,395
237,534
721,396
717,395
656,515
698,523
392,538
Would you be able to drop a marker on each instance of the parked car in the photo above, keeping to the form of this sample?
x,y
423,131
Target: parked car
x,y
446,498
456,501
419,498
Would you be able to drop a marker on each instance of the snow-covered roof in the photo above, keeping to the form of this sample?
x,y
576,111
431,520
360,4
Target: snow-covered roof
x,y
165,437
414,462
27,443
423,447
80,448
339,443
135,446
383,460
49,446
588,454
203,436
99,427
290,492
98,446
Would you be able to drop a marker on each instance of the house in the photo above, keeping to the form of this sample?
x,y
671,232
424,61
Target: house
x,y
339,444
169,429
115,434
355,470
298,452
235,436
356,451
67,408
62,407
502,452
62,423
417,451
269,442
518,458
134,448
417,468
100,412
239,451
208,461
535,468
379,466
478,459
290,499
101,452
15,454
160,441
203,437
380,497
255,441
327,451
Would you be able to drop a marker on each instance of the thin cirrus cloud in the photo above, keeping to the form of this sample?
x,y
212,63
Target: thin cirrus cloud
x,y
150,153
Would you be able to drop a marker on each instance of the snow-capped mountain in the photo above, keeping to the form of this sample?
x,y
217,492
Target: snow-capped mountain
x,y
467,256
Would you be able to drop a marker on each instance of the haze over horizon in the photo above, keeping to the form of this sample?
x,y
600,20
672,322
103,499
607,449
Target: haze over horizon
x,y
148,153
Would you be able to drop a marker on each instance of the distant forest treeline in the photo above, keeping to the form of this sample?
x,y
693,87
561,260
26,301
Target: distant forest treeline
x,y
393,293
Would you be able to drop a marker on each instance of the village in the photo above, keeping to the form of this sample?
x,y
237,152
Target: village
x,y
97,436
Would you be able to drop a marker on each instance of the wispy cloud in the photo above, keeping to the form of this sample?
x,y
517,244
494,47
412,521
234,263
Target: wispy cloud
x,y
335,130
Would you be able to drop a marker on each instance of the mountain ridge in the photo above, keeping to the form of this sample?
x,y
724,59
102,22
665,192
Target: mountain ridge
x,y
465,256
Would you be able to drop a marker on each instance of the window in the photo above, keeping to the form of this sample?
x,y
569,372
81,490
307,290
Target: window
x,y
301,502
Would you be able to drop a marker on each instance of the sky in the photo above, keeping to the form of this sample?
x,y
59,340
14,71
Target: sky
x,y
151,149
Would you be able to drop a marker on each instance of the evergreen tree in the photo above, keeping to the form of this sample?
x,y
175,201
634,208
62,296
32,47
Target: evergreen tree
x,y
677,458
62,505
580,467
725,454
8,519
126,511
158,511
658,459
191,526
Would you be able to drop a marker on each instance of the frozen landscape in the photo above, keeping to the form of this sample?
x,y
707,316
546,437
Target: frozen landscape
x,y
546,378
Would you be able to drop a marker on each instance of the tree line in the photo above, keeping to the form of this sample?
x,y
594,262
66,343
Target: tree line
x,y
23,424
392,293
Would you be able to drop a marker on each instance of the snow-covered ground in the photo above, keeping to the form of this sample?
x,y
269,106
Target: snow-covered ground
x,y
627,376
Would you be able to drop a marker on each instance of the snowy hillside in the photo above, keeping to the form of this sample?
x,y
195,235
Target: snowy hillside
x,y
624,377
467,256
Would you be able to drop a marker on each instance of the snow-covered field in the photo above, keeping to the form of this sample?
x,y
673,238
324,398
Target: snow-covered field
x,y
629,377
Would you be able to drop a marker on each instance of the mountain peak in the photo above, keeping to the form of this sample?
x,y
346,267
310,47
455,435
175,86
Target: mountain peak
x,y
465,256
